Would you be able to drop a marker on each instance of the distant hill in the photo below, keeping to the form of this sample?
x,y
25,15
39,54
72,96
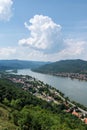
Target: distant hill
x,y
19,64
71,66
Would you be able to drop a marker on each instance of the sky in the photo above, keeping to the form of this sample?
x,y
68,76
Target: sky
x,y
49,30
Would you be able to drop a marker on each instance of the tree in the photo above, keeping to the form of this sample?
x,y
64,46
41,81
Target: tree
x,y
6,102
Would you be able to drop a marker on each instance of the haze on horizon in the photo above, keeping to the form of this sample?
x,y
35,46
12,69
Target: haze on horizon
x,y
43,31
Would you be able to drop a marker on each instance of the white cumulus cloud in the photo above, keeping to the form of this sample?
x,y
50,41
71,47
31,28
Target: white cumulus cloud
x,y
45,35
5,9
45,42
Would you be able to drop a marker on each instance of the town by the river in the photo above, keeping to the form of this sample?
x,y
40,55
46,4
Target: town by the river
x,y
75,89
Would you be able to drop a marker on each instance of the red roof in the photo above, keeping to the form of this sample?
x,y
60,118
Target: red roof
x,y
85,120
75,113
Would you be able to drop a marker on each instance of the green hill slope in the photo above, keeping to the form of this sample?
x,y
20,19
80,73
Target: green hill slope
x,y
5,122
20,110
70,66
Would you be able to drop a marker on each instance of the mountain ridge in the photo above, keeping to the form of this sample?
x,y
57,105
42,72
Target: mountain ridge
x,y
70,66
20,64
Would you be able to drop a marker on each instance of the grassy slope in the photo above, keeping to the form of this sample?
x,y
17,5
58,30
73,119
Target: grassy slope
x,y
5,123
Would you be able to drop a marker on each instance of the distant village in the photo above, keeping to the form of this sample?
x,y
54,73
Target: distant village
x,y
72,75
35,87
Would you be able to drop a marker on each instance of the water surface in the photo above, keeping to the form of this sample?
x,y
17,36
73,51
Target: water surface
x,y
76,90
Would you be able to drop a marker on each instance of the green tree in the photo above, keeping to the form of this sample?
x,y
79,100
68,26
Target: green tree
x,y
6,102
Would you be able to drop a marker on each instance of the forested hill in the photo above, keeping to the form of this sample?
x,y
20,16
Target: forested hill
x,y
70,66
19,64
21,110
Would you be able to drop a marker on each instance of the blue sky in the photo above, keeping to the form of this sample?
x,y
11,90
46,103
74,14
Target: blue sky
x,y
48,30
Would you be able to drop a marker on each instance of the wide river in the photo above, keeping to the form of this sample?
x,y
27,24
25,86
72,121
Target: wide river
x,y
74,89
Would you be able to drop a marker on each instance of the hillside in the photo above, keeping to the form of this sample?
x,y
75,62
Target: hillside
x,y
5,122
69,66
20,110
19,64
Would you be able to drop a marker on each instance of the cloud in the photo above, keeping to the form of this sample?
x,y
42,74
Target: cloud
x,y
45,42
74,47
6,52
5,9
45,35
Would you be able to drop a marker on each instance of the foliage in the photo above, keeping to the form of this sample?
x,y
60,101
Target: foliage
x,y
26,112
69,66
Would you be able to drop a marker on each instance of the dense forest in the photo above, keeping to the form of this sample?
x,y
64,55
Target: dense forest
x,y
69,66
20,110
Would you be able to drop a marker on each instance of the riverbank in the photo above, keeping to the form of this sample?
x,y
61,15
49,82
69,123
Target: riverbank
x,y
72,75
75,89
47,93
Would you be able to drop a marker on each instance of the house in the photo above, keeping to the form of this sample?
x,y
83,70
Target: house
x,y
75,113
85,120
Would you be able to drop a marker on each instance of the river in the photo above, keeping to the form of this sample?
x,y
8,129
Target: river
x,y
74,89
